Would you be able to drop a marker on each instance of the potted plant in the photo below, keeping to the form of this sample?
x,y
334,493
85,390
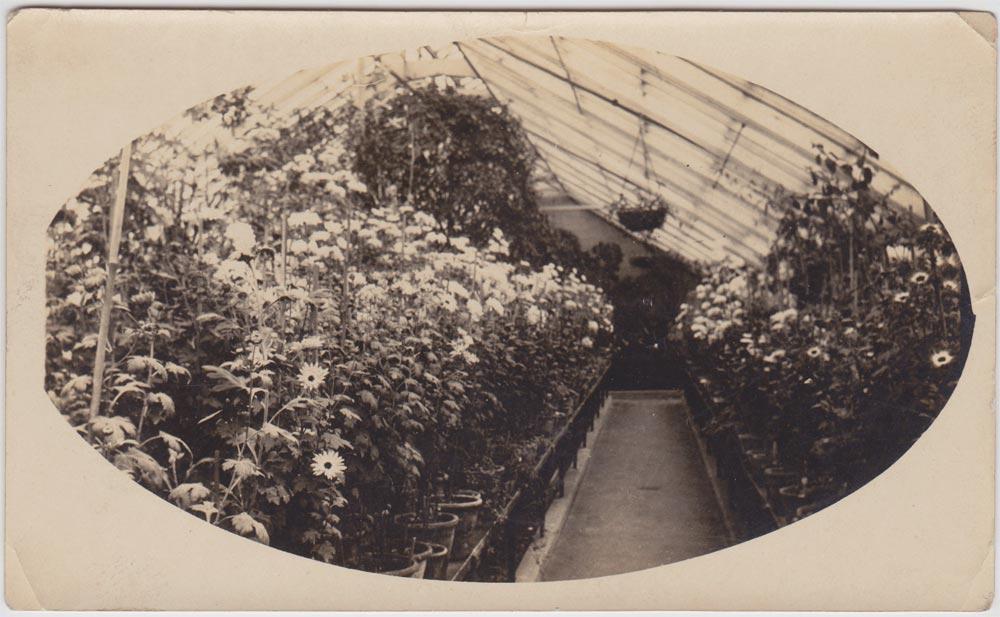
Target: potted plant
x,y
421,553
435,527
437,562
466,505
392,564
385,555
646,215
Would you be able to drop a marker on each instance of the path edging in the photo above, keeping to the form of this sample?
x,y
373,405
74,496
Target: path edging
x,y
529,570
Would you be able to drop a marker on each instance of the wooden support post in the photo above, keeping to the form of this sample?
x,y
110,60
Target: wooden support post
x,y
114,241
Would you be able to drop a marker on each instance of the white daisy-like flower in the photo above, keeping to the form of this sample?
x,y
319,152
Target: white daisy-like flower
x,y
311,342
311,376
931,228
899,253
950,285
814,352
902,296
320,236
456,288
494,305
533,315
942,358
315,177
302,162
475,308
950,261
919,278
242,236
329,464
298,219
154,233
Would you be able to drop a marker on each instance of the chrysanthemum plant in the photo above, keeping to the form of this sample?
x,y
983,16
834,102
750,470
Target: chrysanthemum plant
x,y
289,365
842,349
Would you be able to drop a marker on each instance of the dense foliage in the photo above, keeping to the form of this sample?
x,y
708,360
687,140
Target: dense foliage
x,y
465,160
844,346
295,356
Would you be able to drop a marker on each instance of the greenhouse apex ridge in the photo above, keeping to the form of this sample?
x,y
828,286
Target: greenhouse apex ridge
x,y
721,186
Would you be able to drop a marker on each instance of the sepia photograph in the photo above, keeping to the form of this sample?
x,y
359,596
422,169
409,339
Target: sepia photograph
x,y
504,309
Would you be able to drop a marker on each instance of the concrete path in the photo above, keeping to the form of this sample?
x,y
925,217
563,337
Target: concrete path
x,y
644,499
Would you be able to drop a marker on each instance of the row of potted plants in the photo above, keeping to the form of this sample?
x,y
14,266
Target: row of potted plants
x,y
302,360
834,355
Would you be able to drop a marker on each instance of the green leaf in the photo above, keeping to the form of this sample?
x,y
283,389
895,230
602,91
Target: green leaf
x,y
325,551
113,430
207,508
142,364
278,433
209,416
164,401
87,342
368,399
79,383
277,495
188,493
173,443
135,462
242,468
350,414
177,370
227,380
336,442
244,524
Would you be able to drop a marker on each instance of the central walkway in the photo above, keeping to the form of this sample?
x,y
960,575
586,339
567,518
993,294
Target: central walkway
x,y
644,499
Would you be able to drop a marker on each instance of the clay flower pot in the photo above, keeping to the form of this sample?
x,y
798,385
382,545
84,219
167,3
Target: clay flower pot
x,y
437,563
392,565
440,530
422,551
465,504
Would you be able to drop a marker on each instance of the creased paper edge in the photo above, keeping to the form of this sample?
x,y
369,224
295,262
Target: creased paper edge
x,y
18,591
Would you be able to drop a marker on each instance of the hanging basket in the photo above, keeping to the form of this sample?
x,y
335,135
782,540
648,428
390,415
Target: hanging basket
x,y
647,215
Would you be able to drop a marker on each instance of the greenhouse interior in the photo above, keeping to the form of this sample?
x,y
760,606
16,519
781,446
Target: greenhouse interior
x,y
503,310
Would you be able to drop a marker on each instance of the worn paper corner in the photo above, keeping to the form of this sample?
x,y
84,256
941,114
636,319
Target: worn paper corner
x,y
983,22
18,592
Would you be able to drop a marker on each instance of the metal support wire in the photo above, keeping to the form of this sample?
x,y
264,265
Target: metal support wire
x,y
489,89
607,99
615,130
569,78
722,168
576,98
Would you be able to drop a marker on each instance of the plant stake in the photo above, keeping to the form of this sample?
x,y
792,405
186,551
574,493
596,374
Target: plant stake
x,y
115,233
